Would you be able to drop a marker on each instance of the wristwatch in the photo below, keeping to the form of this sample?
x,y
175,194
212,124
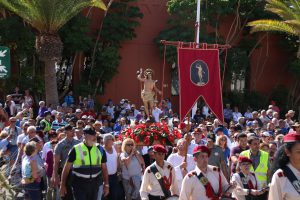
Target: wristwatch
x,y
106,185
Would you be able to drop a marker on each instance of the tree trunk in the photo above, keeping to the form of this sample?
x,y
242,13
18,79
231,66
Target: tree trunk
x,y
298,52
50,82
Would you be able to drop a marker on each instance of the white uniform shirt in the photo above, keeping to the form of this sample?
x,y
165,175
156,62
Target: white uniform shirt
x,y
281,188
240,194
150,184
193,189
175,160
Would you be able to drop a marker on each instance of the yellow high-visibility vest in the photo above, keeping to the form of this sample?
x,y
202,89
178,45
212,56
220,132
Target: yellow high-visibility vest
x,y
262,169
87,163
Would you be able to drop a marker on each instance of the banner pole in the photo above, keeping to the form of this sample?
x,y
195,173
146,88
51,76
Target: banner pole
x,y
197,40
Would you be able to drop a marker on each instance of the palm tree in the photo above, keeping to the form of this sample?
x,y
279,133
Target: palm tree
x,y
47,17
288,11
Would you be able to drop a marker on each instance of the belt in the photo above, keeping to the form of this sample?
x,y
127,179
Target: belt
x,y
86,176
151,197
115,174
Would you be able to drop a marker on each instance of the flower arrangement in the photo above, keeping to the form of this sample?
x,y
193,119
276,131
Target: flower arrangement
x,y
149,135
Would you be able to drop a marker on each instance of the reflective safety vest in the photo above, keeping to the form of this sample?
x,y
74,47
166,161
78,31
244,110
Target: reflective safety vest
x,y
47,125
87,163
262,169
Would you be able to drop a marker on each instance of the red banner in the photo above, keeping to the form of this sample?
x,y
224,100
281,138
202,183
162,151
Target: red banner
x,y
199,76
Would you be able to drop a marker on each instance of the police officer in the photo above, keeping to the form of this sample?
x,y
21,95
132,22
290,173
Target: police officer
x,y
285,182
89,168
45,123
159,181
206,182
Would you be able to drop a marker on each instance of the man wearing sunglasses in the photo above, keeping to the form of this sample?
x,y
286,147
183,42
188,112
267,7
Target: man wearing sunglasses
x,y
159,181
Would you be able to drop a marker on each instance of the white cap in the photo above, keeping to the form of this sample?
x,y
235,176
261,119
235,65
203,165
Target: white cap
x,y
78,110
266,134
53,112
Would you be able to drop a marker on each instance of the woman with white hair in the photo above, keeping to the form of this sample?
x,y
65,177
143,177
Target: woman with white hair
x,y
115,190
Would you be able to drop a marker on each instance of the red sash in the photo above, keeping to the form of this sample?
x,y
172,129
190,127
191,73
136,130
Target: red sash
x,y
208,188
249,184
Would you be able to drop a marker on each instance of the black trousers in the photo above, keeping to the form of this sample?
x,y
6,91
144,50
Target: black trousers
x,y
85,189
116,191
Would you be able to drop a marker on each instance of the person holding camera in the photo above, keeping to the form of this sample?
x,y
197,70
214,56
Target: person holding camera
x,y
247,185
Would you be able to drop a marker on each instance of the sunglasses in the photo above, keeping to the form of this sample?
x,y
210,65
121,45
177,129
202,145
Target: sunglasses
x,y
245,164
159,153
129,145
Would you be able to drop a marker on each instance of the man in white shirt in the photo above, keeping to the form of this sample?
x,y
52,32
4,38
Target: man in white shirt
x,y
181,161
156,112
23,135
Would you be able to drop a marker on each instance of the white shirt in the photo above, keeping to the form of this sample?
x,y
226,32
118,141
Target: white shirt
x,y
150,184
112,162
205,110
193,189
191,148
20,138
240,194
12,108
281,188
46,148
156,112
175,159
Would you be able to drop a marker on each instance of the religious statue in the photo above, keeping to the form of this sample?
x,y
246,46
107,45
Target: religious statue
x,y
200,74
148,90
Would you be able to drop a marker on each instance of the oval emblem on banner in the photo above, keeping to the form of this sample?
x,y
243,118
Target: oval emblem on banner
x,y
199,73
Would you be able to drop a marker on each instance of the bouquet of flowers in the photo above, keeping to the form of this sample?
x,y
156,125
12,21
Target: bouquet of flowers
x,y
153,134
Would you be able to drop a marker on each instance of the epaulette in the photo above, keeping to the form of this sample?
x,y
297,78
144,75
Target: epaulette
x,y
192,174
216,169
280,174
149,171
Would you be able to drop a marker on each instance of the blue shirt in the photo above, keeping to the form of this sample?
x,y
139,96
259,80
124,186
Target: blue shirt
x,y
3,143
227,113
69,100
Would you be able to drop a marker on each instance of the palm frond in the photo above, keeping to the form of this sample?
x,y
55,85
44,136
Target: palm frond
x,y
294,23
272,25
49,15
285,10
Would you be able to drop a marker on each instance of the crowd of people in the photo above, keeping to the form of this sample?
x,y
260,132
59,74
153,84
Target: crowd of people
x,y
73,152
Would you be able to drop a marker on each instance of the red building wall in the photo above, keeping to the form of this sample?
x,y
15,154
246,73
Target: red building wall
x,y
267,62
141,52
